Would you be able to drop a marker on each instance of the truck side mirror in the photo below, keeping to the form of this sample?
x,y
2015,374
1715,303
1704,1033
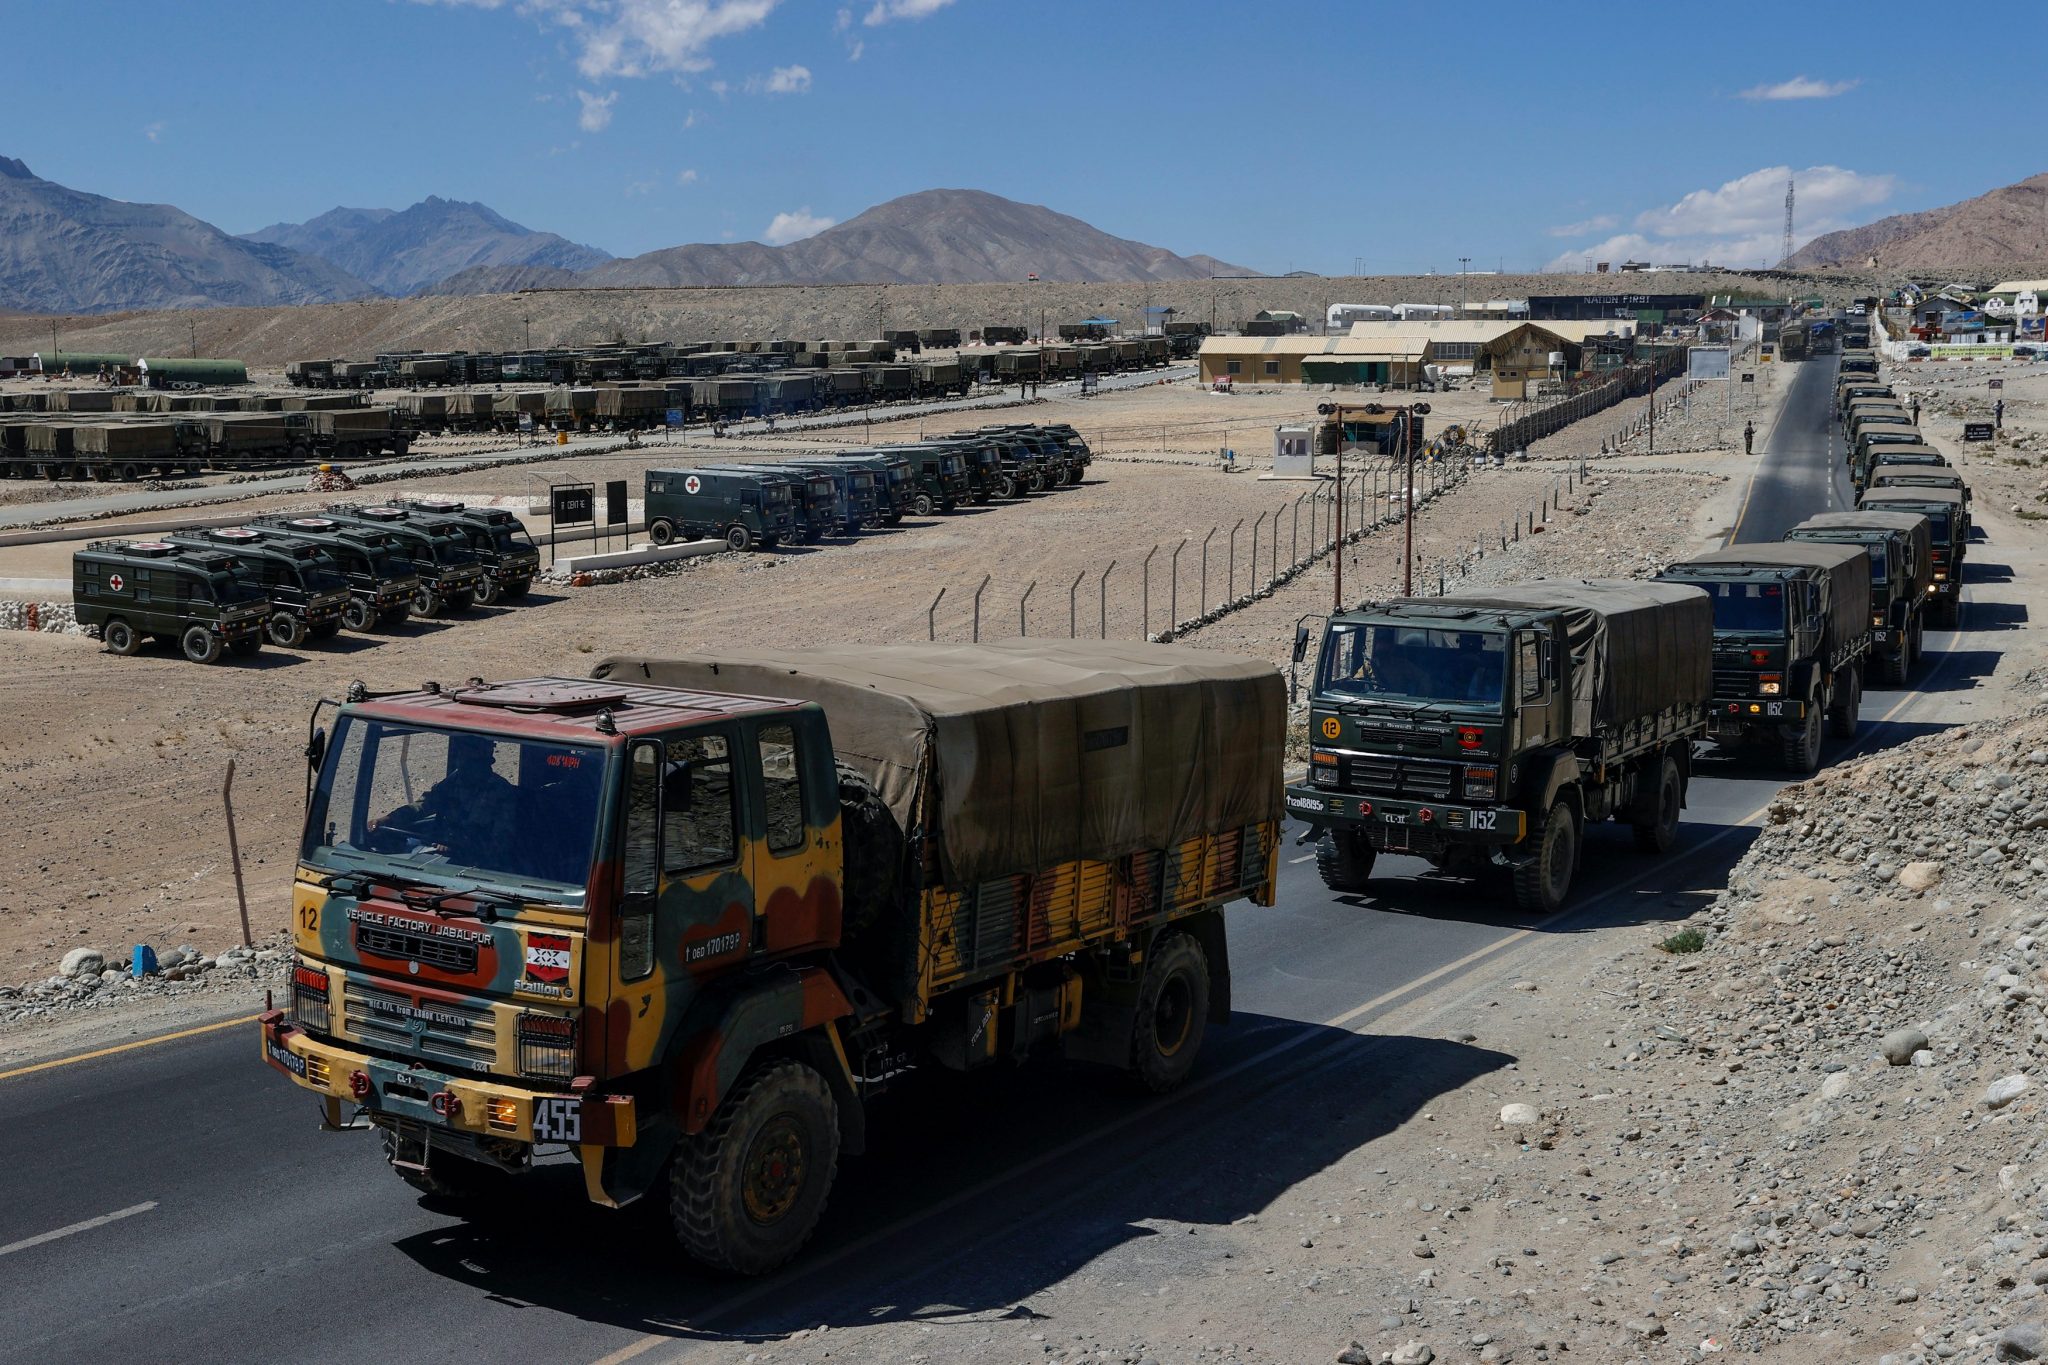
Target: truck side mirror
x,y
1300,642
316,747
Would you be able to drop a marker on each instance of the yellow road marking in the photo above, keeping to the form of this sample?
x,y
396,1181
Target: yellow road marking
x,y
126,1047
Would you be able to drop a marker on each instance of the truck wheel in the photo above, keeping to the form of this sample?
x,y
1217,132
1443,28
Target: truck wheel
x,y
1172,1014
200,644
1799,747
460,602
358,615
746,1193
1660,831
518,587
922,504
488,592
661,531
285,630
1006,487
1542,883
1345,859
424,603
1899,666
1842,715
738,538
120,638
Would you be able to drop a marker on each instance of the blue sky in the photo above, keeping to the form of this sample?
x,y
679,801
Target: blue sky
x,y
1302,136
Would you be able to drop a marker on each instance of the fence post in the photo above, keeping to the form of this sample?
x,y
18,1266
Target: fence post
x,y
1202,607
977,606
1073,588
1103,586
1252,563
1173,593
1145,594
1294,549
1023,626
931,629
1230,580
1275,576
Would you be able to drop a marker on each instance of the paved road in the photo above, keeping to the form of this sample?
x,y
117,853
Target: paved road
x,y
238,1231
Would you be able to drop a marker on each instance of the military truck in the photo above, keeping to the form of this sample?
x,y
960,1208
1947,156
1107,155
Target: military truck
x,y
1889,445
854,489
1901,569
1850,387
382,578
895,486
1858,362
687,920
1791,636
1490,730
744,509
1948,533
303,585
1004,336
939,338
1793,340
939,477
510,558
816,498
135,590
449,571
1918,474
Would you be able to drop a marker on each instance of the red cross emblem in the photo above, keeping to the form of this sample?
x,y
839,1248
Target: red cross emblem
x,y
116,582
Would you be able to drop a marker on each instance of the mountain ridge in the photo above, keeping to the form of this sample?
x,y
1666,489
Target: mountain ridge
x,y
2007,225
402,251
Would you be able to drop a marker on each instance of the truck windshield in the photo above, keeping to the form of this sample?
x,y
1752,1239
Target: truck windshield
x,y
511,539
1419,662
479,806
1747,608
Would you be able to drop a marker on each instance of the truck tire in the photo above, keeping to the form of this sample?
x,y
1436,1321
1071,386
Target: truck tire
x,y
424,603
359,615
460,602
1660,830
1172,1014
738,538
1006,487
1848,700
1799,747
121,638
285,630
661,531
200,645
1344,858
747,1192
1543,883
518,587
1899,667
922,504
488,591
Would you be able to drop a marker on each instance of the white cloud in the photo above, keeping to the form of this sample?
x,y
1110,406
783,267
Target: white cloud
x,y
645,37
155,131
783,80
785,228
597,110
686,177
638,188
1800,88
689,120
887,10
1599,222
1741,221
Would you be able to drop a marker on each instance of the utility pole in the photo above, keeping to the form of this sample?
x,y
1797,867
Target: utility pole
x,y
529,332
1338,558
191,338
1408,509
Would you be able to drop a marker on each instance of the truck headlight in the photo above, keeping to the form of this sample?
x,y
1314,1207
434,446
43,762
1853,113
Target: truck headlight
x,y
547,1047
1770,684
1482,784
310,1007
1324,774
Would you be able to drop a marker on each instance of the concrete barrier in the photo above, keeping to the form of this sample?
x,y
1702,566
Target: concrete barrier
x,y
643,553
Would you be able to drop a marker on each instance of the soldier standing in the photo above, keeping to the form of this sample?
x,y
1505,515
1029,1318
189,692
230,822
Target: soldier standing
x,y
1748,437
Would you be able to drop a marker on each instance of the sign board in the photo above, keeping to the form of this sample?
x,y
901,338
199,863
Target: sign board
x,y
675,417
1962,350
571,506
615,503
2034,328
526,421
1749,376
1994,383
1706,362
1976,431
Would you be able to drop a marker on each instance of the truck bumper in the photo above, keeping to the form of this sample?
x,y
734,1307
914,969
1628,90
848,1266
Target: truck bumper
x,y
1726,719
438,1101
1399,824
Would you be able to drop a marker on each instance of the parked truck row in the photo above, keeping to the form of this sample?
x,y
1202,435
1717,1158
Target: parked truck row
x,y
114,447
291,579
761,505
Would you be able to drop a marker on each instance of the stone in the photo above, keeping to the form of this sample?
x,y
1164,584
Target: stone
x,y
1354,1354
2004,1091
82,962
1924,1057
1906,1294
1833,1087
1742,1244
1920,876
2022,1341
1412,1353
1519,1114
1645,1327
1899,1045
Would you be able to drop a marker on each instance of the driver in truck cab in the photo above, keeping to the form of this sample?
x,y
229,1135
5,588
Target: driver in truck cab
x,y
468,810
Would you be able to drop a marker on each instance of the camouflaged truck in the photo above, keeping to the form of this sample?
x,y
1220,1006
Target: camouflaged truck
x,y
683,922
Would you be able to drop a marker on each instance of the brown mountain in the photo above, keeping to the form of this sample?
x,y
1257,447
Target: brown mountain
x,y
66,251
933,237
2006,226
404,251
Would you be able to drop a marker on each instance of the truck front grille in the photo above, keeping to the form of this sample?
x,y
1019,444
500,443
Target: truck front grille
x,y
1397,777
459,1033
1734,686
456,958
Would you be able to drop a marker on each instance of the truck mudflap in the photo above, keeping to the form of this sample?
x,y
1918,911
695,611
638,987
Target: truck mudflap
x,y
576,1116
1736,717
1390,821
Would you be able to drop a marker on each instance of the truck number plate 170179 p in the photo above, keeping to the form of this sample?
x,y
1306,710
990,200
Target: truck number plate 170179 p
x,y
557,1119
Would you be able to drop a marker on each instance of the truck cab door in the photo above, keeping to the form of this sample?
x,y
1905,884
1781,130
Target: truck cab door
x,y
687,903
793,848
1536,699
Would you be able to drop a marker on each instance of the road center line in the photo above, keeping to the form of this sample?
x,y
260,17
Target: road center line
x,y
87,1226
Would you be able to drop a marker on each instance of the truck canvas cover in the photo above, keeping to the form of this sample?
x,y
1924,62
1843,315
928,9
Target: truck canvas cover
x,y
1909,524
1015,756
1636,648
1845,573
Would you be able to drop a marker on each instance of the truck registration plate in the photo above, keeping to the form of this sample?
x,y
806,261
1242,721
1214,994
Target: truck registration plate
x,y
557,1119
